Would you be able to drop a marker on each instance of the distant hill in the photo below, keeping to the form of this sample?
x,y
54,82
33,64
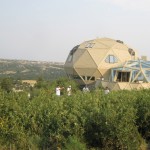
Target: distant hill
x,y
31,70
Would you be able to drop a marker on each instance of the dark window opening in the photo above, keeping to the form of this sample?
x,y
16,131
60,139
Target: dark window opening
x,y
131,52
83,77
93,79
90,78
74,50
119,41
89,45
123,76
69,58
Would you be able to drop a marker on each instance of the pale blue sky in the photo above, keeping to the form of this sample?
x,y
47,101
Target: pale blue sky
x,y
48,29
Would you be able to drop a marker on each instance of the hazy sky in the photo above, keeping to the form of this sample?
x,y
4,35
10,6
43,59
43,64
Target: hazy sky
x,y
48,29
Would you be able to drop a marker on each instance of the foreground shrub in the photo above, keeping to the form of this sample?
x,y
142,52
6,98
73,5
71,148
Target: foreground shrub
x,y
74,143
113,121
143,113
112,125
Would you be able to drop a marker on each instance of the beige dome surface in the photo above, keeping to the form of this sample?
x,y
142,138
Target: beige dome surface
x,y
92,60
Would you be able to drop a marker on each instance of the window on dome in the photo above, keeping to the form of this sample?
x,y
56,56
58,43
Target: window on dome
x,y
131,52
71,53
89,45
69,58
111,59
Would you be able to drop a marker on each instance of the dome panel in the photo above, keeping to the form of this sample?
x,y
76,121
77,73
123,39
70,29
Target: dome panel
x,y
105,73
128,87
69,61
122,56
86,75
110,64
97,74
122,85
120,46
109,42
98,54
78,55
85,61
99,45
85,71
134,85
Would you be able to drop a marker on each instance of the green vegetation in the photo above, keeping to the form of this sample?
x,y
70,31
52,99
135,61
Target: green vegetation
x,y
30,70
93,120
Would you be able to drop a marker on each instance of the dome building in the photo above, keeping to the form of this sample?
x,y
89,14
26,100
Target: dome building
x,y
91,62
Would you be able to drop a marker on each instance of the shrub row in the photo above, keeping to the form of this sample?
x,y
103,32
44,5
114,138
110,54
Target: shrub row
x,y
119,120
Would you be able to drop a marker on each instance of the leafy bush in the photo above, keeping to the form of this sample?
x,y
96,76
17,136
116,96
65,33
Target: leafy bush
x,y
93,120
74,144
143,113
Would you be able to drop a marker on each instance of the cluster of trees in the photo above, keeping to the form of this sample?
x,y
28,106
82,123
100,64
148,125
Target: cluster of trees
x,y
93,120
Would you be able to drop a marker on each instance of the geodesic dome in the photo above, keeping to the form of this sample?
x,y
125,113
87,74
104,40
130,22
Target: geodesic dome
x,y
92,60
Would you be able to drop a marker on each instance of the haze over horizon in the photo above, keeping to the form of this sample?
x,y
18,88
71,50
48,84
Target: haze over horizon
x,y
47,30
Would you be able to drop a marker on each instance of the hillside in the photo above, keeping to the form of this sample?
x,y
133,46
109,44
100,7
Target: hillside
x,y
31,70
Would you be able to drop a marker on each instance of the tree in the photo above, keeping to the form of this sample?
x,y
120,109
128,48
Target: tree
x,y
7,84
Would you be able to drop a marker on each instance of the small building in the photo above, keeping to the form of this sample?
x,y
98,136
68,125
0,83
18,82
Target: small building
x,y
107,62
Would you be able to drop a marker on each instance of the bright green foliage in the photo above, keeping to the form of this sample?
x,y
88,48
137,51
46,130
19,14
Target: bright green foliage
x,y
119,120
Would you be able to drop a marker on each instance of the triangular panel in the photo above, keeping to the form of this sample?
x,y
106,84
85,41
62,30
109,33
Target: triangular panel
x,y
105,73
97,74
105,64
98,55
122,85
134,85
85,61
128,87
69,61
109,42
122,55
99,45
78,54
85,71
